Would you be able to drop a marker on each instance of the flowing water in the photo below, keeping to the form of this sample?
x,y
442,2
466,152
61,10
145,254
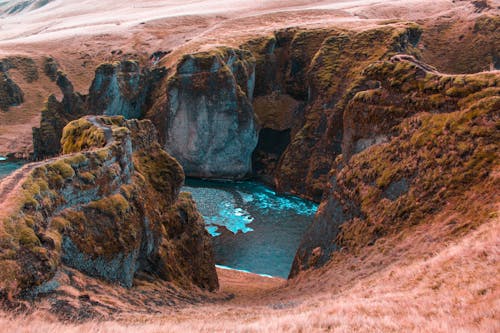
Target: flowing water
x,y
8,166
253,228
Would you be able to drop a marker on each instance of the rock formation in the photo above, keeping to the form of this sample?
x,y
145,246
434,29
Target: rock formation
x,y
110,207
414,141
121,88
55,116
304,78
118,89
10,93
207,121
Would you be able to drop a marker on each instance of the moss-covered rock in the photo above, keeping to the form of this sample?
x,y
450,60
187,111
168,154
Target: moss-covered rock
x,y
105,209
433,153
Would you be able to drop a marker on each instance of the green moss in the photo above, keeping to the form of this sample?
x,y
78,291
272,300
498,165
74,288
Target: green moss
x,y
486,24
81,135
161,170
63,168
114,205
27,237
59,223
76,160
87,177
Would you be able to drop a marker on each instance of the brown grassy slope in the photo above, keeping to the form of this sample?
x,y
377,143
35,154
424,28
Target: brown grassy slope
x,y
440,285
462,45
80,43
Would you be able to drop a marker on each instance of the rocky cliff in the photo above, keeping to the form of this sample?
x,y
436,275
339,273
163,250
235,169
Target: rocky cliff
x,y
110,207
206,119
120,88
304,80
413,143
10,93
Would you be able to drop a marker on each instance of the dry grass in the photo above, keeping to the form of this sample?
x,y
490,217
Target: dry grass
x,y
455,289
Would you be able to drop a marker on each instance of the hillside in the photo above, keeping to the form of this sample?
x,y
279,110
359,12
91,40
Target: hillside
x,y
385,113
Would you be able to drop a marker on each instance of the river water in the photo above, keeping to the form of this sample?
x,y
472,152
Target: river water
x,y
8,166
253,228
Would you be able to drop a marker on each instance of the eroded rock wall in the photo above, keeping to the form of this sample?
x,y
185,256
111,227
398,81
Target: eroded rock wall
x,y
110,208
414,142
207,121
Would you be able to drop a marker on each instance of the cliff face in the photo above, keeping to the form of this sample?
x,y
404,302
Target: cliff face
x,y
109,208
304,80
55,116
415,142
207,122
121,88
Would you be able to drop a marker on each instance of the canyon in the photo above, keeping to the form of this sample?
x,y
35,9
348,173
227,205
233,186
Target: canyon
x,y
385,114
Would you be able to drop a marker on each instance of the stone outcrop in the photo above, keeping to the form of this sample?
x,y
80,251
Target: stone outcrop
x,y
121,88
118,89
413,141
110,207
10,93
207,121
55,116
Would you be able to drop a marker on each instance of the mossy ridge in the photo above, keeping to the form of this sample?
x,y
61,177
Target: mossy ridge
x,y
92,211
161,170
334,78
441,156
398,89
30,231
81,135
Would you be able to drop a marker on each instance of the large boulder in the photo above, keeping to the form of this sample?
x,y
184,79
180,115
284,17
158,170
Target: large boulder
x,y
208,124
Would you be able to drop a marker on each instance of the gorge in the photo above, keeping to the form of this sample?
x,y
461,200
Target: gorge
x,y
345,151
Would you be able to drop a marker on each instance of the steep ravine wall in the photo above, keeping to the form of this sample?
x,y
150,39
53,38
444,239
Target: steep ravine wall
x,y
110,208
206,120
292,109
414,143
